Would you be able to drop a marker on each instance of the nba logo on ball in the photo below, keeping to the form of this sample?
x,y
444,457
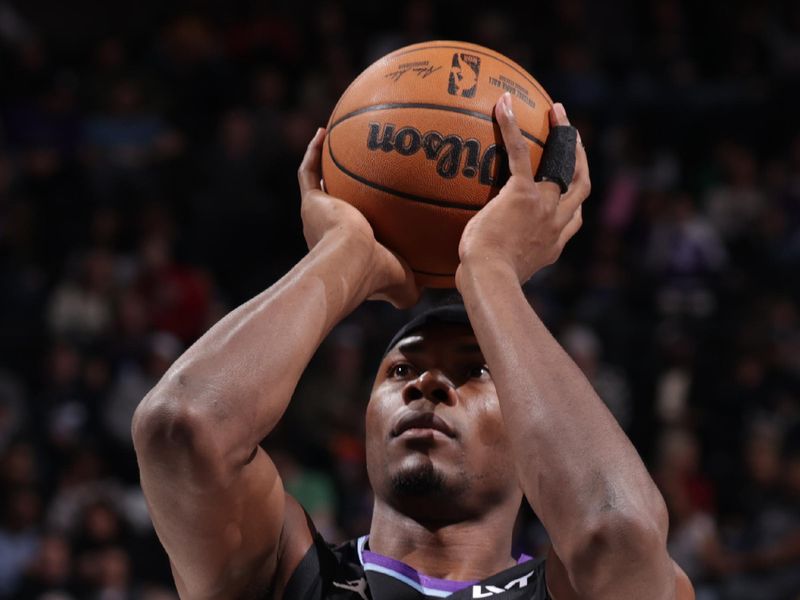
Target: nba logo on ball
x,y
464,75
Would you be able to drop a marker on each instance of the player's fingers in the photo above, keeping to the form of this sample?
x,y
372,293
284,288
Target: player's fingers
x,y
519,153
579,187
309,175
571,228
549,188
558,115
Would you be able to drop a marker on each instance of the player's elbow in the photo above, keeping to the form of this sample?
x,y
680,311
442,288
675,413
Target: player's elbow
x,y
618,550
167,426
186,417
163,420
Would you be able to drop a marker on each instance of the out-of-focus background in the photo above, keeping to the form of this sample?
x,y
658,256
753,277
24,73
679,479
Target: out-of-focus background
x,y
147,185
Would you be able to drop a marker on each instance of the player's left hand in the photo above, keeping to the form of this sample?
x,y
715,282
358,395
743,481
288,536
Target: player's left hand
x,y
526,226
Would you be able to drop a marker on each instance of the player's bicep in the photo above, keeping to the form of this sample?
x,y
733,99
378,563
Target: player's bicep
x,y
222,534
559,586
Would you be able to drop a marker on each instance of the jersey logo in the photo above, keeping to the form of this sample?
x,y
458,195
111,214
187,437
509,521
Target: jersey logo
x,y
359,586
484,591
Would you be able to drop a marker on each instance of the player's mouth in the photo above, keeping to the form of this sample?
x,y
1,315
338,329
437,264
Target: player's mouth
x,y
421,423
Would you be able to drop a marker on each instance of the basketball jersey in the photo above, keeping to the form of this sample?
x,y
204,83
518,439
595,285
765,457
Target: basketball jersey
x,y
351,571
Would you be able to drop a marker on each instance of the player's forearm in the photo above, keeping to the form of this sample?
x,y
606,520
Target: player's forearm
x,y
577,467
238,378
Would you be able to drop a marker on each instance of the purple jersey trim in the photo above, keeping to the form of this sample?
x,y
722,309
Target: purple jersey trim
x,y
523,558
434,583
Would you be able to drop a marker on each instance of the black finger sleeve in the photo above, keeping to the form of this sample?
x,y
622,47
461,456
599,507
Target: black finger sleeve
x,y
558,157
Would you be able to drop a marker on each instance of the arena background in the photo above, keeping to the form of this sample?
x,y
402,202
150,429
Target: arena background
x,y
147,185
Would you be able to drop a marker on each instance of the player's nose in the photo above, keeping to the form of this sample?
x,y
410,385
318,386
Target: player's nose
x,y
432,385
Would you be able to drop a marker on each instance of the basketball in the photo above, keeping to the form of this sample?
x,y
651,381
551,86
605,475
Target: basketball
x,y
412,144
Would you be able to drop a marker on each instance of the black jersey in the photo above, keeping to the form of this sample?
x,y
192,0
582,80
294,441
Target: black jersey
x,y
352,572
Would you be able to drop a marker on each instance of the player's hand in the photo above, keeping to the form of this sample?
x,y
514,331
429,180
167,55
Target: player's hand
x,y
388,276
527,224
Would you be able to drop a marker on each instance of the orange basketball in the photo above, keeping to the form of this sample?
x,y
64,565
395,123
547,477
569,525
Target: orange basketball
x,y
412,144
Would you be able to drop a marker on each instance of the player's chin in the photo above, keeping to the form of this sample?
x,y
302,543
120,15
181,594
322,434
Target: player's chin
x,y
417,477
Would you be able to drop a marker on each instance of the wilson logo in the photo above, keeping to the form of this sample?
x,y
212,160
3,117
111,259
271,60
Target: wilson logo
x,y
451,153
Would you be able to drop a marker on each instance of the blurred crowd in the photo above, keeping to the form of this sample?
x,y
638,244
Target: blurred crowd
x,y
147,160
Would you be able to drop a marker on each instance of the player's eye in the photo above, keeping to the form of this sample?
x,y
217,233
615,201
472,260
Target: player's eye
x,y
401,371
479,372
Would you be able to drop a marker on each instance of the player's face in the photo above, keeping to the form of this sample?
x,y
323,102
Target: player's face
x,y
434,427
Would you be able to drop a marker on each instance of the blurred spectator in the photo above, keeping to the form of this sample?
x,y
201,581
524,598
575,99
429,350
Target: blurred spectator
x,y
19,536
124,140
19,466
80,307
610,384
177,296
85,482
106,574
736,203
63,408
763,561
335,396
13,408
684,252
49,574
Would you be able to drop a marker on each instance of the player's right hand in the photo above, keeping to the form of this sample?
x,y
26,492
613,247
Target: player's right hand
x,y
388,276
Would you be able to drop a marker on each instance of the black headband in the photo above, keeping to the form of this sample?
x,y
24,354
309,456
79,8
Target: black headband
x,y
454,314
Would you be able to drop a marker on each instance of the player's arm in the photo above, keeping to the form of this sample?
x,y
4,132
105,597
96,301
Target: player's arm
x,y
605,516
215,497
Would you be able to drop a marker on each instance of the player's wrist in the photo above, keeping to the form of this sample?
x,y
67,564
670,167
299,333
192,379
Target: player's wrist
x,y
479,271
351,255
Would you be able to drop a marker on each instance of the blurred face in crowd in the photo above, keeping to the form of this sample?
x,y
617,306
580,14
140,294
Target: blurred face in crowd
x,y
101,523
436,442
762,457
53,563
23,509
793,477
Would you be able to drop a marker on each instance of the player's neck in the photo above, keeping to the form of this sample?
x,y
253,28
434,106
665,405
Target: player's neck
x,y
468,550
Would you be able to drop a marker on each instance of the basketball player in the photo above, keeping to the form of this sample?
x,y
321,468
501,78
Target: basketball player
x,y
471,410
